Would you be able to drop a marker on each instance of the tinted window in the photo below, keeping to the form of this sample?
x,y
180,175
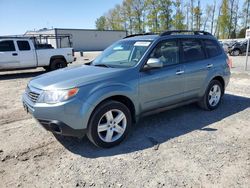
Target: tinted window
x,y
23,45
6,46
192,50
167,52
212,48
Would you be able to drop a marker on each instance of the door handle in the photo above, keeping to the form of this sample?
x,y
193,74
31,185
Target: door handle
x,y
210,65
179,72
14,54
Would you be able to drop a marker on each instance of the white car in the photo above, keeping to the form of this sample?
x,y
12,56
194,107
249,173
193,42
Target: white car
x,y
22,53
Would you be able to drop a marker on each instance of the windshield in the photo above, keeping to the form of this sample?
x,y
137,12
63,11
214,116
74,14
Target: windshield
x,y
126,53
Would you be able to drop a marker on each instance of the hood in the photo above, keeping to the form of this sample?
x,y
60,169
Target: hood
x,y
73,77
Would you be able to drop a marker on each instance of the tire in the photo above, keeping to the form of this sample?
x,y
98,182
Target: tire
x,y
235,52
103,130
47,69
57,64
212,98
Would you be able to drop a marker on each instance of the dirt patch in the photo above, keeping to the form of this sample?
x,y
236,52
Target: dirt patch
x,y
184,147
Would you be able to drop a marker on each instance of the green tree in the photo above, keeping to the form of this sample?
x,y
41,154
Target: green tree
x,y
208,15
153,8
165,15
213,16
192,13
242,33
197,16
224,20
138,10
178,18
245,12
101,23
128,15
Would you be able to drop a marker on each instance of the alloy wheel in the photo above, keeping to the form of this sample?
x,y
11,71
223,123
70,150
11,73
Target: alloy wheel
x,y
112,125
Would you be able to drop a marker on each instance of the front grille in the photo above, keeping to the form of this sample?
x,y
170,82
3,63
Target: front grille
x,y
33,96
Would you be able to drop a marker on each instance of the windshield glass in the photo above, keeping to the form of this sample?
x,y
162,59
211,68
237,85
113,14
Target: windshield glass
x,y
126,53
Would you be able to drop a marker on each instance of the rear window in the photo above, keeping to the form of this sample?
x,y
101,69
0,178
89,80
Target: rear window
x,y
7,46
23,45
212,48
192,50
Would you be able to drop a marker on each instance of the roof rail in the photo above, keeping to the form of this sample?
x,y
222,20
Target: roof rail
x,y
39,36
140,34
185,31
13,36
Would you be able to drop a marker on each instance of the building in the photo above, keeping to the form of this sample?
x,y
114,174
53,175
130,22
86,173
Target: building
x,y
80,39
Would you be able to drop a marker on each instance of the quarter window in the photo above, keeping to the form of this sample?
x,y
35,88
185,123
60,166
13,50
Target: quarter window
x,y
167,52
192,50
7,46
23,45
212,48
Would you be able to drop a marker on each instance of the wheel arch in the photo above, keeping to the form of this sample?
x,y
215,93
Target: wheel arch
x,y
221,80
57,57
122,99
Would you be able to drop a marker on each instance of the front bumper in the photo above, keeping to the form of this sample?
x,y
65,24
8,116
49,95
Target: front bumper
x,y
68,118
61,128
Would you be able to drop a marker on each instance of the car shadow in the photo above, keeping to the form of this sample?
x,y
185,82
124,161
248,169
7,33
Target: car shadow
x,y
21,75
151,131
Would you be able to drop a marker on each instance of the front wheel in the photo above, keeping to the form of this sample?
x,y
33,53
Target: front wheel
x,y
213,95
109,124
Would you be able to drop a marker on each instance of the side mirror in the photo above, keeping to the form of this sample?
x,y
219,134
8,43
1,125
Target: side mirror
x,y
154,63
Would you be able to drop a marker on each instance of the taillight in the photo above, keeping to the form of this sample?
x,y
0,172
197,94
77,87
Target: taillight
x,y
73,52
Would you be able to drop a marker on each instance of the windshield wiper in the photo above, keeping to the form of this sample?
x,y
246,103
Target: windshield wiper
x,y
102,65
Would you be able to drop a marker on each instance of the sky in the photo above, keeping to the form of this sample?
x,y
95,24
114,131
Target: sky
x,y
18,16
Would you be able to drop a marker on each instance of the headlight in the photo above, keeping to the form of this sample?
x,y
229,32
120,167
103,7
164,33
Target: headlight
x,y
56,96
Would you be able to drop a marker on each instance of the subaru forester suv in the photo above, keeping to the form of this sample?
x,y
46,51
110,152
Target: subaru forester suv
x,y
138,75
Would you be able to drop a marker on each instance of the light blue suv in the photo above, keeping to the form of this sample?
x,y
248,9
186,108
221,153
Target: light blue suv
x,y
138,75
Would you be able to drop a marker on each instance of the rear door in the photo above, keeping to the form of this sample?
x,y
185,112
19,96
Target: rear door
x,y
163,86
9,58
197,66
26,54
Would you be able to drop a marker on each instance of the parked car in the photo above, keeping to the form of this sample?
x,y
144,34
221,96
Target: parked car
x,y
238,48
136,76
22,53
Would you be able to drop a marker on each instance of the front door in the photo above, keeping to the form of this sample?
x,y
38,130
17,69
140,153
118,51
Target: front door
x,y
162,86
26,54
8,55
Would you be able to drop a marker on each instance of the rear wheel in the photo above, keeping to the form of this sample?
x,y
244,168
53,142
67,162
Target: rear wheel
x,y
109,124
57,64
47,69
235,52
212,97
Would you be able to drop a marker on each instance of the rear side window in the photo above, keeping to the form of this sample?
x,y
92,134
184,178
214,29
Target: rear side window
x,y
212,48
23,45
7,46
192,50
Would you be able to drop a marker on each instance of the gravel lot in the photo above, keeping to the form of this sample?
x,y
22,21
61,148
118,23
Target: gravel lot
x,y
184,147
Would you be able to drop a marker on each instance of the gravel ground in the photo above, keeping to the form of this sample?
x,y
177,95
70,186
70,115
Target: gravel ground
x,y
183,147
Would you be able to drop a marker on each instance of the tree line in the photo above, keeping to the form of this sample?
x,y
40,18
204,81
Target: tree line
x,y
223,18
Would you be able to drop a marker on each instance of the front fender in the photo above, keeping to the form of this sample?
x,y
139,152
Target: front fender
x,y
100,94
